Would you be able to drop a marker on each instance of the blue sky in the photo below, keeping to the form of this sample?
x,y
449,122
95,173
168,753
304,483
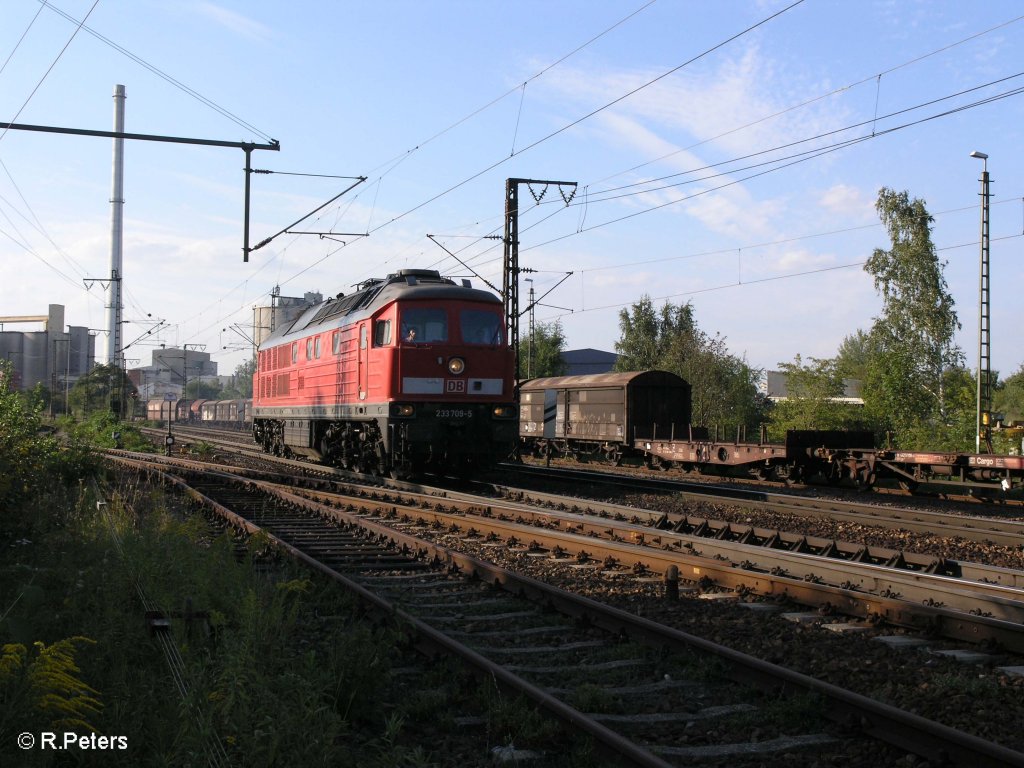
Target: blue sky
x,y
680,126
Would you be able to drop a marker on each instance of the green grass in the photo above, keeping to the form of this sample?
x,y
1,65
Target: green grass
x,y
269,681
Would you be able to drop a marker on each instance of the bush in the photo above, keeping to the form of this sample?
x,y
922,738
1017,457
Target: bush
x,y
104,430
33,462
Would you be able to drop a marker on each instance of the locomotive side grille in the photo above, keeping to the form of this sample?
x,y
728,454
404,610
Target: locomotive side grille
x,y
280,384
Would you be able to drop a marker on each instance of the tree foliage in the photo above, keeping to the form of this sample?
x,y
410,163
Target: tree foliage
x,y
646,335
32,461
724,387
105,387
813,399
854,356
541,355
198,389
243,377
912,339
1009,397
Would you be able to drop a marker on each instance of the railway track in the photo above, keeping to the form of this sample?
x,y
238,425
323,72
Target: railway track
x,y
992,527
1001,525
934,490
971,602
414,577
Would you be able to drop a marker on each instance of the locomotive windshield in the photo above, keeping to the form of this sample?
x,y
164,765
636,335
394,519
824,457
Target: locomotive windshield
x,y
424,325
480,327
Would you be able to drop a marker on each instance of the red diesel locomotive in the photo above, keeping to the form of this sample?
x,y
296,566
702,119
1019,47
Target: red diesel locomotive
x,y
409,373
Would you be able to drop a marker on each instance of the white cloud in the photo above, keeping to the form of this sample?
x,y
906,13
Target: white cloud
x,y
240,25
848,201
793,260
690,120
735,107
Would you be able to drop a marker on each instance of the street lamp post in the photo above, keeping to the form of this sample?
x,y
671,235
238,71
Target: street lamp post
x,y
984,388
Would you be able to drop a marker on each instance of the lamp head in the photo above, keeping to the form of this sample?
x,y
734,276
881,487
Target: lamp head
x,y
979,155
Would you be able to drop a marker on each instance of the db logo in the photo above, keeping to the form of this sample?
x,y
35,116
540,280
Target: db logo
x,y
455,385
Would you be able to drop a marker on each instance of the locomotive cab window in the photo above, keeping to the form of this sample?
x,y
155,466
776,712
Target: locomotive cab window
x,y
424,325
309,349
316,348
336,342
382,333
295,351
480,327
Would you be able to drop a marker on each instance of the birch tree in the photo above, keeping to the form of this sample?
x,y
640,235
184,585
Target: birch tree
x,y
913,336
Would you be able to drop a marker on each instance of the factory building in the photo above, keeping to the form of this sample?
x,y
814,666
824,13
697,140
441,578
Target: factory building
x,y
170,372
53,357
283,310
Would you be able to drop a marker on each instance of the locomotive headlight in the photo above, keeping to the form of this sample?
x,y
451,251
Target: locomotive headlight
x,y
400,409
456,365
503,411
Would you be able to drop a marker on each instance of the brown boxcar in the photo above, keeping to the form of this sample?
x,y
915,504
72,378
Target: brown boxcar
x,y
604,411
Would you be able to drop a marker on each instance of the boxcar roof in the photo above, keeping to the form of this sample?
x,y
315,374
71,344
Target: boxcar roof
x,y
602,380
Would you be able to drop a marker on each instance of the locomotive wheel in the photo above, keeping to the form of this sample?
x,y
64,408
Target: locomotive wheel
x,y
327,452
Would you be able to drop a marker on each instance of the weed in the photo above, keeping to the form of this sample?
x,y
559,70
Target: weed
x,y
201,449
591,698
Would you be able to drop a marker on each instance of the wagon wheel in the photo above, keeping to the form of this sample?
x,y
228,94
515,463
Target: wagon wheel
x,y
833,473
791,474
910,486
659,464
863,478
613,456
